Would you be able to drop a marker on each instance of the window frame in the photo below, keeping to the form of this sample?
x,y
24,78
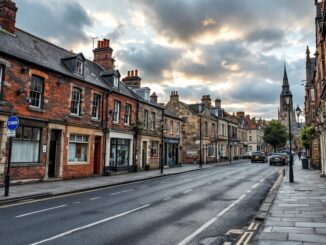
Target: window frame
x,y
154,150
2,75
96,107
75,102
210,147
178,128
79,67
15,139
171,127
116,111
127,114
145,120
153,121
40,93
83,142
115,81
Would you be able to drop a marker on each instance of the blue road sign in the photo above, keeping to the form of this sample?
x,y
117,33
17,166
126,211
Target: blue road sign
x,y
12,123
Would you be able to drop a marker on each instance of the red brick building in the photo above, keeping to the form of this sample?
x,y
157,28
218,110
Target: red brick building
x,y
69,107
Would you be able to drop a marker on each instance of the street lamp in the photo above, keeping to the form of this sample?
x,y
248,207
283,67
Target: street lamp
x,y
288,98
299,112
200,142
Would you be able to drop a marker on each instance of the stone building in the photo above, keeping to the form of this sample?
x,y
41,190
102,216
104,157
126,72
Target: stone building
x,y
199,129
149,134
255,135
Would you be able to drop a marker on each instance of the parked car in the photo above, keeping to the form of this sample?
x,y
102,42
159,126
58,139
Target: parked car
x,y
278,158
247,155
258,157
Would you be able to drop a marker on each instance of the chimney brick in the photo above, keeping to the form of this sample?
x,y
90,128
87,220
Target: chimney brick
x,y
103,55
8,12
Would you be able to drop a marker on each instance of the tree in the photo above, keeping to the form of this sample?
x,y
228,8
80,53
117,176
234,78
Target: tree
x,y
307,136
276,134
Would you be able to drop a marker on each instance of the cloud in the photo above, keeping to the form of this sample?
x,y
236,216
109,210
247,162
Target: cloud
x,y
64,22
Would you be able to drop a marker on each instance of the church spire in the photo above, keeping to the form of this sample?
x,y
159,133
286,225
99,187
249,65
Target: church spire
x,y
285,86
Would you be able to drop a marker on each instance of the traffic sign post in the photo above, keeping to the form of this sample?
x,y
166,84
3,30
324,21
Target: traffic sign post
x,y
12,125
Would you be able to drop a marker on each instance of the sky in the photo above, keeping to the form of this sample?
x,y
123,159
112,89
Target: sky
x,y
231,49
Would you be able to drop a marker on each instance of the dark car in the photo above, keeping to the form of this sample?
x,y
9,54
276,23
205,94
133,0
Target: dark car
x,y
247,155
258,157
278,159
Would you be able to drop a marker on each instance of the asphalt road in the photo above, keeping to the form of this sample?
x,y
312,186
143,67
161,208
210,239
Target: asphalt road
x,y
181,209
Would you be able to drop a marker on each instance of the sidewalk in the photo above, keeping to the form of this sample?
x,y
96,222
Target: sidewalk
x,y
298,215
46,189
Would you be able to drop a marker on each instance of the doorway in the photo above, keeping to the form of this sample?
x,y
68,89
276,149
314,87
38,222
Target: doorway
x,y
54,153
144,154
97,155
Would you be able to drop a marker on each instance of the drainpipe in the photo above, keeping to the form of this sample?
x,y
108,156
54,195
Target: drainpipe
x,y
136,137
106,94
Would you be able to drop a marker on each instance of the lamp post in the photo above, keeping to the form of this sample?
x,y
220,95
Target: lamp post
x,y
288,98
200,143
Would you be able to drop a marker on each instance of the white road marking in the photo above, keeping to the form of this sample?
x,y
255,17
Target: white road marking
x,y
248,191
40,211
168,198
90,225
210,222
141,187
116,193
187,191
261,180
163,182
255,186
94,198
75,202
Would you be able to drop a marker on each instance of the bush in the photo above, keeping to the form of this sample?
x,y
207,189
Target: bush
x,y
147,167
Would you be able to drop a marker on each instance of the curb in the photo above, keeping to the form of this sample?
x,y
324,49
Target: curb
x,y
269,200
13,200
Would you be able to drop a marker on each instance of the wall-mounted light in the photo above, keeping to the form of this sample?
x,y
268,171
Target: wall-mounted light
x,y
20,91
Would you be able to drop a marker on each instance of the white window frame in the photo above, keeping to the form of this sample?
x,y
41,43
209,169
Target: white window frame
x,y
209,148
154,143
153,120
78,139
115,81
96,106
145,122
116,111
75,103
37,94
171,127
127,114
79,67
178,128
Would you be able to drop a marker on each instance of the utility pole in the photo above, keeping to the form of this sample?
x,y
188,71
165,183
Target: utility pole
x,y
93,39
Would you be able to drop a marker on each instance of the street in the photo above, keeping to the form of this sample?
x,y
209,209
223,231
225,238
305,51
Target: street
x,y
182,209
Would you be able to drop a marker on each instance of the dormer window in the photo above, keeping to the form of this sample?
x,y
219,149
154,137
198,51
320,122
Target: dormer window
x,y
79,67
146,95
116,81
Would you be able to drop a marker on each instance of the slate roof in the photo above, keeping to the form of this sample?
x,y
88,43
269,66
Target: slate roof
x,y
170,113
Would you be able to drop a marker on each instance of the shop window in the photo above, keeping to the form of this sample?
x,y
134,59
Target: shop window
x,y
211,150
96,106
116,113
127,114
153,121
154,149
119,152
26,145
78,145
36,92
145,123
75,101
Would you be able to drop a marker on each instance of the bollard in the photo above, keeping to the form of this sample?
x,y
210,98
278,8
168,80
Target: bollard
x,y
283,171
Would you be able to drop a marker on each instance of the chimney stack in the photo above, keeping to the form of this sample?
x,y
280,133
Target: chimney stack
x,y
103,54
132,80
206,101
8,12
153,96
241,114
218,103
174,97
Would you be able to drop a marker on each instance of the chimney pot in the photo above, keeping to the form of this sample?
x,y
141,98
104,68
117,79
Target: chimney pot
x,y
136,73
132,73
128,74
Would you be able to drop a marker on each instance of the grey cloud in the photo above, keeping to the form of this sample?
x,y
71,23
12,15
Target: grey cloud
x,y
271,35
65,22
117,33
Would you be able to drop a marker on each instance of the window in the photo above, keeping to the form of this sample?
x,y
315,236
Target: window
x,y
145,123
1,77
153,121
146,95
250,138
127,114
250,148
171,127
75,101
116,112
79,67
165,125
115,81
312,93
211,150
223,130
26,145
119,154
78,145
36,93
222,151
213,129
96,106
178,128
206,128
154,149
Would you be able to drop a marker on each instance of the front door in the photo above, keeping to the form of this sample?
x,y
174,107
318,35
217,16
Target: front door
x,y
97,156
53,159
144,154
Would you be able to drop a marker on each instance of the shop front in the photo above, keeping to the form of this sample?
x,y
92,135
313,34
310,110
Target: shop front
x,y
171,152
